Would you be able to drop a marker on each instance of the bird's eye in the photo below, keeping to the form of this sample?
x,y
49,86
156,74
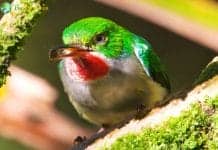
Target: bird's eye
x,y
100,39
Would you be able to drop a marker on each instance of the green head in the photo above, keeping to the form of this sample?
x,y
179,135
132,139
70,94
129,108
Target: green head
x,y
100,35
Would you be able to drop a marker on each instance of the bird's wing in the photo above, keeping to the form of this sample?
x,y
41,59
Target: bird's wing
x,y
151,62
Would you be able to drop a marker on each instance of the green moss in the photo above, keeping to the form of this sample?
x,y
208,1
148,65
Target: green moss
x,y
213,134
195,128
14,29
212,102
212,143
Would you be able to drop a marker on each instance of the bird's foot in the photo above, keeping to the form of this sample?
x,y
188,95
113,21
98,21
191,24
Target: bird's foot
x,y
103,128
79,139
140,111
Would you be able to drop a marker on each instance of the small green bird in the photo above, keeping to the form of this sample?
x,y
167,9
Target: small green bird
x,y
108,71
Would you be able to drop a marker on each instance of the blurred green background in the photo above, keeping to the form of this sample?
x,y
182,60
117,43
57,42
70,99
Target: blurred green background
x,y
200,11
183,58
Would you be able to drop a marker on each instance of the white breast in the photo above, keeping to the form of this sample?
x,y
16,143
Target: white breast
x,y
126,80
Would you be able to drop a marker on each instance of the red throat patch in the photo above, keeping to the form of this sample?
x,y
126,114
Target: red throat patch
x,y
89,67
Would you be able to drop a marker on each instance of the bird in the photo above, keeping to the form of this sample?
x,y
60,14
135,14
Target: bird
x,y
107,71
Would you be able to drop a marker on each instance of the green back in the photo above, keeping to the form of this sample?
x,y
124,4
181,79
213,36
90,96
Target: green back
x,y
151,62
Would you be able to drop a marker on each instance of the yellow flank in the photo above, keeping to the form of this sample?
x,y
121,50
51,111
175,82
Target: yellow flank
x,y
3,92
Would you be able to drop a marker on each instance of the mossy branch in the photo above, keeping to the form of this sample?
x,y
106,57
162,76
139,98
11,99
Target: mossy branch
x,y
14,27
182,123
